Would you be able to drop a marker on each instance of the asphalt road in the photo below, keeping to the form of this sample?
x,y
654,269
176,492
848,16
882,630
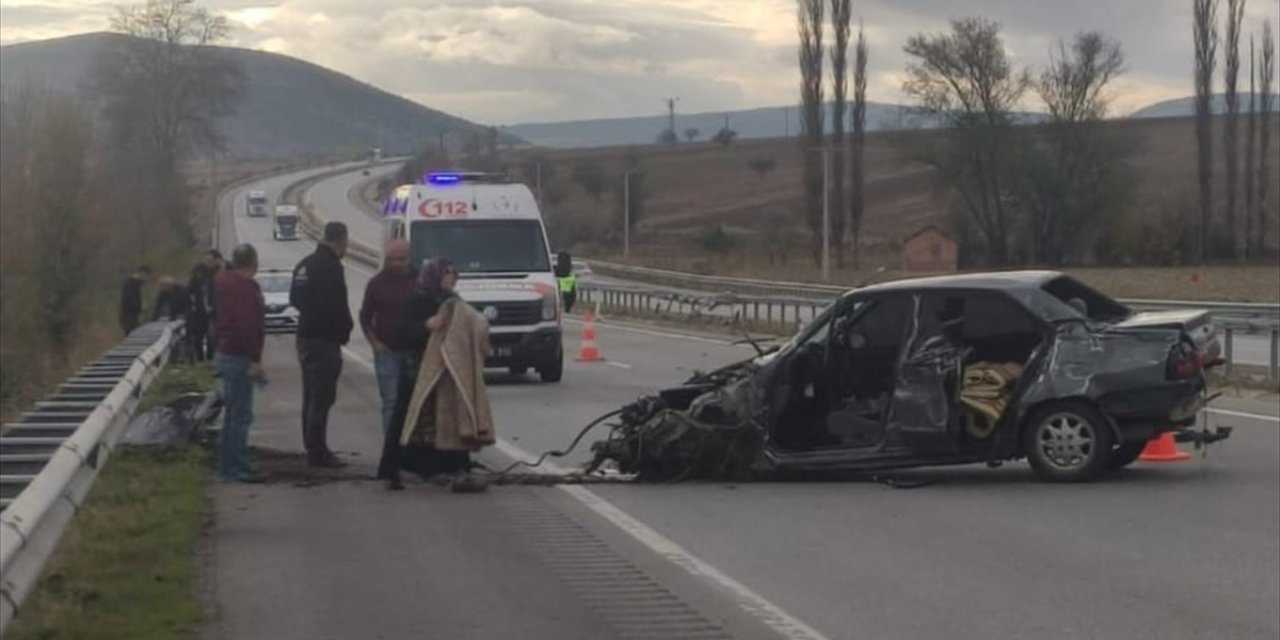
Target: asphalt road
x,y
1187,550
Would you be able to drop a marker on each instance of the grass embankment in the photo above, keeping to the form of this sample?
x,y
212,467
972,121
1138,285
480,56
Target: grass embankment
x,y
126,567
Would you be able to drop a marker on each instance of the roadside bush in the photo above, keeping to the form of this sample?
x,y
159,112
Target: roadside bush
x,y
717,240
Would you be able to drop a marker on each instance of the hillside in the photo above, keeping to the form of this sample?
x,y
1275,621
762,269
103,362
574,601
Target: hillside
x,y
694,188
290,106
1185,107
751,124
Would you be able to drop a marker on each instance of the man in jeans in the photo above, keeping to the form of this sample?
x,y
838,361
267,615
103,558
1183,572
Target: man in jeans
x,y
319,293
238,359
380,317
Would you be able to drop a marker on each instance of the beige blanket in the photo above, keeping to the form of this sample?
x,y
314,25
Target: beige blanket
x,y
449,409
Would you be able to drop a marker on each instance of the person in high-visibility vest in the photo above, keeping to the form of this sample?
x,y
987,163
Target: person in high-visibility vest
x,y
569,290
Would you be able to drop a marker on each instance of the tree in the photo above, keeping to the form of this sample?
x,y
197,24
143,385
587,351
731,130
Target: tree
x,y
165,91
667,136
810,26
1235,14
857,145
841,21
1205,36
965,80
1074,171
763,166
590,176
1250,148
691,134
725,136
1267,74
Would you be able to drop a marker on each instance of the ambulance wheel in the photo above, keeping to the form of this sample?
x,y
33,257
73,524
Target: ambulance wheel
x,y
553,371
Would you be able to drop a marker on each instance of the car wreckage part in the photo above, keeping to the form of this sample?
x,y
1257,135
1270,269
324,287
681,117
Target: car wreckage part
x,y
1068,442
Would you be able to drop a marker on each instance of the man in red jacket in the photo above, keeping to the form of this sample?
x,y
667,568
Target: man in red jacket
x,y
380,321
239,326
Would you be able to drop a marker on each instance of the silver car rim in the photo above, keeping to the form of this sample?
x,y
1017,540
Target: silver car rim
x,y
1066,441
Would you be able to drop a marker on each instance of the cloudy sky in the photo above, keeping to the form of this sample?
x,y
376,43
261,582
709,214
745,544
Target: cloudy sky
x,y
512,61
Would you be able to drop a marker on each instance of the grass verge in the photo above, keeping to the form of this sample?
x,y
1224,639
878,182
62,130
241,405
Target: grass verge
x,y
126,568
177,379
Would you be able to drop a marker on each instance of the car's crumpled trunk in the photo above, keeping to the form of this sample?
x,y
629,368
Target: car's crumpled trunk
x,y
708,428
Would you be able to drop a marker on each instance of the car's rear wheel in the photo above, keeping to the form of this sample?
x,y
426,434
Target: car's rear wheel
x,y
1068,442
1125,454
517,371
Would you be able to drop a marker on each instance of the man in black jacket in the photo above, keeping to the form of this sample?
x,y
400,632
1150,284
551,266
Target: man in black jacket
x,y
200,310
319,293
131,298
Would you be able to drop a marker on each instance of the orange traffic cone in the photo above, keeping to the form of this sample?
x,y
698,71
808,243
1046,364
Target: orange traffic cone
x,y
589,352
1162,448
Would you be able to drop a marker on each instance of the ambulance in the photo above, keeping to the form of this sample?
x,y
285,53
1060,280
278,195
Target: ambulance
x,y
492,230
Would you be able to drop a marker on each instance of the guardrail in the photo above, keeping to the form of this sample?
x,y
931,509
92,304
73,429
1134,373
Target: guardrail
x,y
787,314
52,457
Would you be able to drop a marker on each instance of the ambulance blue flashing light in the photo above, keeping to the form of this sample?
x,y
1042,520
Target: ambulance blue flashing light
x,y
441,179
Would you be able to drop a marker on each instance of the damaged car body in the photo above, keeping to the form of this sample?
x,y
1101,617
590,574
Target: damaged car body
x,y
935,371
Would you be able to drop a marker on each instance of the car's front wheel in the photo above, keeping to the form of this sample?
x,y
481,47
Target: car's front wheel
x,y
554,370
1068,442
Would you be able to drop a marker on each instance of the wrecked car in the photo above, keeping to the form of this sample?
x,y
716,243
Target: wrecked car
x,y
936,371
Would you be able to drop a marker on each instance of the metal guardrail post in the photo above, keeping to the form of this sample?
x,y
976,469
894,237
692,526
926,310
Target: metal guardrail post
x,y
1273,371
1228,348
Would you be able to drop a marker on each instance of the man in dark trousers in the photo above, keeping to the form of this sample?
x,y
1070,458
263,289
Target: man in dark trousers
x,y
319,293
131,298
200,310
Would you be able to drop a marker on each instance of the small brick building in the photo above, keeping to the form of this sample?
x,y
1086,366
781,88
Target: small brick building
x,y
929,250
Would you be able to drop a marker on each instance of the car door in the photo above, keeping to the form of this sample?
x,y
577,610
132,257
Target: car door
x,y
922,415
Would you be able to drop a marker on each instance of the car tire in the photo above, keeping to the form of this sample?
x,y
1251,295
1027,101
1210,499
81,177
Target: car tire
x,y
1067,442
517,371
1125,454
553,371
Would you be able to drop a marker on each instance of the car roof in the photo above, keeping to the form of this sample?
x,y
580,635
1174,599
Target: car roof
x,y
992,280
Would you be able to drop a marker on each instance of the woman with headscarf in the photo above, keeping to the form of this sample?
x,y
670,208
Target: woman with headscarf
x,y
419,316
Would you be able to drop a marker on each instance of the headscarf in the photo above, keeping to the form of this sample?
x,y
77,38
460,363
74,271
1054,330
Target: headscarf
x,y
432,273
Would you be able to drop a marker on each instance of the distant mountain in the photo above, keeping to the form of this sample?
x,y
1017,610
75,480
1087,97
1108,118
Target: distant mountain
x,y
290,106
766,122
1184,107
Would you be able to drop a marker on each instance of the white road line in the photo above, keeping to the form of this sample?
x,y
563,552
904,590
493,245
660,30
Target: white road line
x,y
1243,414
749,601
620,365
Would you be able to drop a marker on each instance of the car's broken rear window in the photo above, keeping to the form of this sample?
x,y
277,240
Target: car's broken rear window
x,y
1085,300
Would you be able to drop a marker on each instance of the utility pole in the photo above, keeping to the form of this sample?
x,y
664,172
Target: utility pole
x,y
786,122
626,215
826,213
671,117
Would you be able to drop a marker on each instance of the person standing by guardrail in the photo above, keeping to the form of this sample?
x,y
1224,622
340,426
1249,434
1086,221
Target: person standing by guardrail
x,y
240,331
200,309
380,319
131,298
319,293
568,284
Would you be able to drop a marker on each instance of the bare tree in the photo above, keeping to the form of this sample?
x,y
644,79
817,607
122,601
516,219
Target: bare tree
x,y
1235,14
810,18
857,146
691,133
841,21
1205,35
165,91
1073,174
590,176
1267,74
1250,148
667,136
965,80
629,187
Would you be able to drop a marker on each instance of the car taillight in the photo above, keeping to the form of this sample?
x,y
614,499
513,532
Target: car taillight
x,y
1184,361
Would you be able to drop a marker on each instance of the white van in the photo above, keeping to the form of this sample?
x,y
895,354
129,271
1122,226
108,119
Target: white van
x,y
257,203
492,230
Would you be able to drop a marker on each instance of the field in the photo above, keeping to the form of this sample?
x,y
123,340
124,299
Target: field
x,y
698,191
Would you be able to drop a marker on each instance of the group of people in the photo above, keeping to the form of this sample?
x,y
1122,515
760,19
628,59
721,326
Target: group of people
x,y
402,307
193,302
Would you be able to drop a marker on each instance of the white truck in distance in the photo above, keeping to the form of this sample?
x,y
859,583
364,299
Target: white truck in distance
x,y
492,230
257,203
284,222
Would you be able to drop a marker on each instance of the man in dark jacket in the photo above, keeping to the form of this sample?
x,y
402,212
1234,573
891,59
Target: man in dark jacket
x,y
200,309
319,293
171,300
131,298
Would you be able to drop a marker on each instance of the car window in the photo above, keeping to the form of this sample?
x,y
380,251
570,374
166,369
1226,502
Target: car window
x,y
274,283
1085,300
885,321
973,316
